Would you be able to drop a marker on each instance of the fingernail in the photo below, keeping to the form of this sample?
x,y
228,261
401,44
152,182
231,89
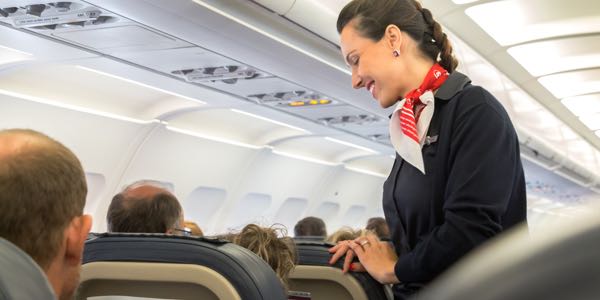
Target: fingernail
x,y
352,267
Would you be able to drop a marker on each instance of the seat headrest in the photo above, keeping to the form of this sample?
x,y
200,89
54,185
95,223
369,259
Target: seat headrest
x,y
251,276
559,261
316,253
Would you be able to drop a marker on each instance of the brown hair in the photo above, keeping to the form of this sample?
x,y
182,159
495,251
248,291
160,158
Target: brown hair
x,y
279,253
194,228
42,188
157,214
379,226
310,226
373,17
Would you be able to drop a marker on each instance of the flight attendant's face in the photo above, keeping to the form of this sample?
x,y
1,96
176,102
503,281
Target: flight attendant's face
x,y
374,65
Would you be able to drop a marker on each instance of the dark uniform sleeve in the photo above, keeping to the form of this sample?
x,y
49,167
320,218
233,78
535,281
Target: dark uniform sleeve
x,y
482,167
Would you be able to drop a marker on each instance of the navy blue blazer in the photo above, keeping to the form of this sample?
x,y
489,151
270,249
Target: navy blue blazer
x,y
472,190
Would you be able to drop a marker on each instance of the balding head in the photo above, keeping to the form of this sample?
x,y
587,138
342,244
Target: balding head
x,y
15,141
42,188
144,207
42,195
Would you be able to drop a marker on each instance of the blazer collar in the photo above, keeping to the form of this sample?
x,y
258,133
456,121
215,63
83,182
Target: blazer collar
x,y
455,83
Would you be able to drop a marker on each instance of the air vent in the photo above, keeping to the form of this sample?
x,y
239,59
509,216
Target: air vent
x,y
51,15
362,119
292,99
98,21
226,74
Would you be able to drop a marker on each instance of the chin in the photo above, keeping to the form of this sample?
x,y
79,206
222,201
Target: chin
x,y
386,104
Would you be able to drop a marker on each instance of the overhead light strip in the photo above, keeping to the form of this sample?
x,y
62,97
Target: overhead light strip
x,y
76,108
15,50
305,158
284,42
367,172
10,55
213,138
351,145
140,84
269,120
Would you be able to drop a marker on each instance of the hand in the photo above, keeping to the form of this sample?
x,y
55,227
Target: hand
x,y
377,257
343,248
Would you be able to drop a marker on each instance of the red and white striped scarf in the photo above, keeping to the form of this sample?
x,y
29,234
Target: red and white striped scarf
x,y
407,132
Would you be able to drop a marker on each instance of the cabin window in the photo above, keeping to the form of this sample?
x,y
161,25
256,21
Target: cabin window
x,y
290,212
250,209
202,204
96,184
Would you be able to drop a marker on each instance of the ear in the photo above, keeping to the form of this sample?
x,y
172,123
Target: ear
x,y
76,234
393,37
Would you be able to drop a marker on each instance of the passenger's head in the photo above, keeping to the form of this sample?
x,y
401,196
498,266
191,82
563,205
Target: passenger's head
x,y
342,234
310,226
194,228
379,226
390,45
145,207
347,233
278,252
42,195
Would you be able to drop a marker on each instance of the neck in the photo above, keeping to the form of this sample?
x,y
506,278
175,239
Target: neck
x,y
54,275
416,72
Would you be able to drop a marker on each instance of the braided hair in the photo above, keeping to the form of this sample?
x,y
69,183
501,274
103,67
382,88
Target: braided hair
x,y
373,17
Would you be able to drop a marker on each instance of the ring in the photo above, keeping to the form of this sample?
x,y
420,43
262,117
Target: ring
x,y
364,242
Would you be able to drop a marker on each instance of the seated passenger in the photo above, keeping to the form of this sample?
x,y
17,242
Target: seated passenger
x,y
145,207
310,227
194,229
379,226
347,233
42,225
278,252
342,234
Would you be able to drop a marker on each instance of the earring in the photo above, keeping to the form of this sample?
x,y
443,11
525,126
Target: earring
x,y
396,53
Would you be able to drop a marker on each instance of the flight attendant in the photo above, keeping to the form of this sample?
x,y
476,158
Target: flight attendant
x,y
457,180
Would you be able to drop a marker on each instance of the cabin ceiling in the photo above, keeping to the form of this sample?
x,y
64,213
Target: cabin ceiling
x,y
188,62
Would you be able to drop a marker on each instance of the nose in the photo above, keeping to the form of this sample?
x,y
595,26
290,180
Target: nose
x,y
357,81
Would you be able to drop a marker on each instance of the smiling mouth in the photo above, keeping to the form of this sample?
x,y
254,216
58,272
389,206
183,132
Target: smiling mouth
x,y
371,88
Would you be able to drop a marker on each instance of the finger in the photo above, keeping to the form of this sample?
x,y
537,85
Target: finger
x,y
373,240
348,261
334,248
339,253
358,249
357,267
337,246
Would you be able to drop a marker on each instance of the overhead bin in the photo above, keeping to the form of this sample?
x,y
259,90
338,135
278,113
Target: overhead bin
x,y
279,6
309,14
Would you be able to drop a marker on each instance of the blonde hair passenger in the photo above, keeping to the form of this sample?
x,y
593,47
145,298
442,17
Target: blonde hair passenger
x,y
347,233
271,244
